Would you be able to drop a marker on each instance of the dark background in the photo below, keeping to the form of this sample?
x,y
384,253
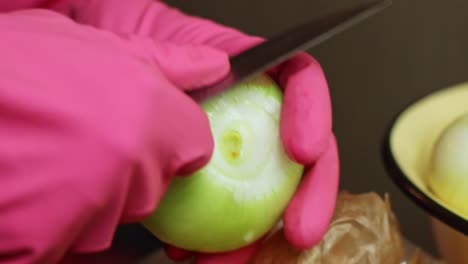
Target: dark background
x,y
374,70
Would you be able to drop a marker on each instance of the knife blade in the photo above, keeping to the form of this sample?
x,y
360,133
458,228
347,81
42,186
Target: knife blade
x,y
287,44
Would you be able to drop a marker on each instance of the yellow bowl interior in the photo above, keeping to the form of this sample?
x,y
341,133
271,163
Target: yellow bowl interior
x,y
418,127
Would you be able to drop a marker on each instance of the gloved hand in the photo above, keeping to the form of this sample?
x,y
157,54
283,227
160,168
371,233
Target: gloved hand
x,y
93,127
306,121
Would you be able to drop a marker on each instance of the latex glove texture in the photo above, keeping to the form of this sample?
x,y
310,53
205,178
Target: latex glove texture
x,y
306,126
306,121
93,127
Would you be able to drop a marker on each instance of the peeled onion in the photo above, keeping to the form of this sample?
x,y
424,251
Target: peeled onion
x,y
242,192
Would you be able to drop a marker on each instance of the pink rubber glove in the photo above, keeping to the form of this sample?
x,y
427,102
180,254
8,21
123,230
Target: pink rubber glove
x,y
306,121
306,126
93,127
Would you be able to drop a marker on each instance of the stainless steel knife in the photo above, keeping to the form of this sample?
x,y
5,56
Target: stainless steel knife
x,y
287,44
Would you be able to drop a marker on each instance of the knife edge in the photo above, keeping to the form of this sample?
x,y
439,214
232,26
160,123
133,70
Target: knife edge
x,y
283,46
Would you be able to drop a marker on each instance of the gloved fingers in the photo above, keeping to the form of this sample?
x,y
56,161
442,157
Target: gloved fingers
x,y
306,116
180,142
187,124
176,253
192,29
187,66
165,23
69,195
306,219
239,256
306,120
88,119
156,20
191,66
310,211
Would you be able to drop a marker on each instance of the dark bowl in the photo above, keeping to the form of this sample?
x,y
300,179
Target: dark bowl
x,y
406,153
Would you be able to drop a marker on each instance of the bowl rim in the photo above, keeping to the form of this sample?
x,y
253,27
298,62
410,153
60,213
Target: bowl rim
x,y
402,181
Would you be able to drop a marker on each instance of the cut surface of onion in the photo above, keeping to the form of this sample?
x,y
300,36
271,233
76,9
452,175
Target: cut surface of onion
x,y
243,190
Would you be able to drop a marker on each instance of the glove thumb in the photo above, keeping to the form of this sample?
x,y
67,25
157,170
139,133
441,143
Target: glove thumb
x,y
187,66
